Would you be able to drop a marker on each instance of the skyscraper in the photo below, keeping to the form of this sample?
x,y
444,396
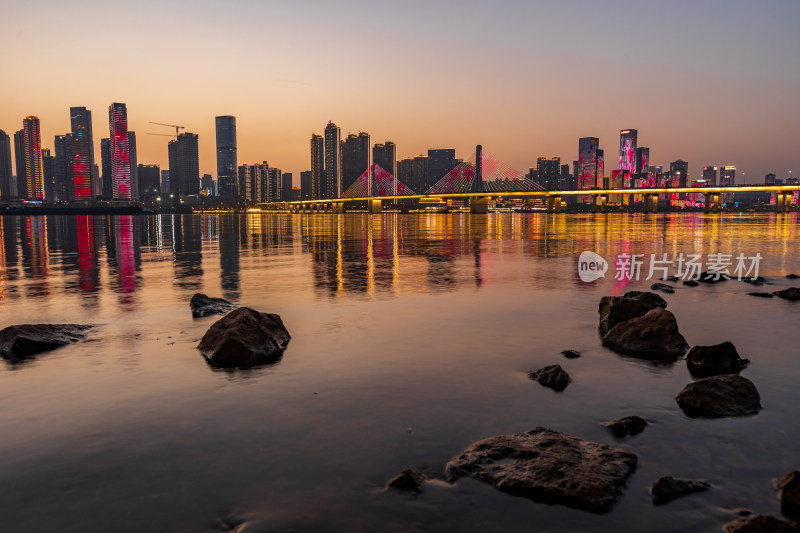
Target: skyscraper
x,y
32,154
405,172
286,187
305,185
184,165
317,166
165,181
105,169
679,171
548,172
440,162
385,155
48,164
333,162
710,176
226,156
19,162
134,165
5,166
207,184
82,150
590,163
727,176
642,160
627,150
120,151
420,174
274,185
63,175
355,158
149,179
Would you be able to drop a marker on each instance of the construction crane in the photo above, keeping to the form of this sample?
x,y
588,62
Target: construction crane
x,y
177,128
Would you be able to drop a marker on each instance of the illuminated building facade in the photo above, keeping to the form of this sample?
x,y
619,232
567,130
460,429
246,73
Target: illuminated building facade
x,y
548,172
134,166
226,156
333,162
385,156
590,163
642,160
355,158
82,153
710,175
679,171
317,166
119,152
727,176
5,166
627,150
32,156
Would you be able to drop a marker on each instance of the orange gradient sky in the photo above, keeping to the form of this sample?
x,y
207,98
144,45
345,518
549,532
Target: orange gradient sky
x,y
709,82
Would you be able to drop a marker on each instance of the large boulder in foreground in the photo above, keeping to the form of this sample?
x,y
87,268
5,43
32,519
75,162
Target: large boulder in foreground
x,y
654,334
667,488
547,466
618,309
244,337
704,361
760,524
202,305
717,396
25,340
789,493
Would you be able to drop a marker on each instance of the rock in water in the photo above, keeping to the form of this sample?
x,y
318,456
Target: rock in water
x,y
630,425
792,294
704,361
793,276
25,340
759,280
203,305
673,279
691,283
789,493
617,309
760,524
244,337
662,287
549,467
654,334
711,276
552,376
665,489
726,395
571,354
408,480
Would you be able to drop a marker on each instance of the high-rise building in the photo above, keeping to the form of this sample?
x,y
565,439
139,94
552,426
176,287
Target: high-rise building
x,y
405,172
317,166
355,158
627,150
149,179
679,171
32,157
440,162
642,160
226,156
286,187
5,166
134,166
548,172
727,176
420,175
165,181
245,179
19,162
565,182
590,163
82,150
333,162
207,184
274,184
120,151
184,165
770,179
305,185
385,156
710,176
63,189
107,189
48,166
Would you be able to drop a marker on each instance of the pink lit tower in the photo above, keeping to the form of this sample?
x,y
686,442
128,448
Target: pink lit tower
x,y
120,154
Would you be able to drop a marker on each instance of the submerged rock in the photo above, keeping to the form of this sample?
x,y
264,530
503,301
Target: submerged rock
x,y
762,294
691,283
618,309
673,279
793,276
655,334
717,396
408,480
711,276
552,376
203,305
662,287
759,280
244,337
704,361
789,493
792,294
760,524
571,354
25,340
667,488
549,467
629,425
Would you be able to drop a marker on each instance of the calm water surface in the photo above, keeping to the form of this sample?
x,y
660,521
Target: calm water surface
x,y
412,337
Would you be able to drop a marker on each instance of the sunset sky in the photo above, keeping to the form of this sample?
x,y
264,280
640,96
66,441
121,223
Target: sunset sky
x,y
710,82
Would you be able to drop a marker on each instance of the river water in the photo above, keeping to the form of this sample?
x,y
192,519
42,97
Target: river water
x,y
412,337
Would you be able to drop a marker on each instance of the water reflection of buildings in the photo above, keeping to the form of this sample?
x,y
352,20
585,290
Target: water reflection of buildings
x,y
228,235
187,250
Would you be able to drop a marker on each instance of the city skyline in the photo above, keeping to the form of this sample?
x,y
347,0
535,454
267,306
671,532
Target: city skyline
x,y
696,99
